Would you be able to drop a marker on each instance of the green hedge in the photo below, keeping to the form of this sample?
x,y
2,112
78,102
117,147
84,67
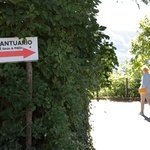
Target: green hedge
x,y
73,56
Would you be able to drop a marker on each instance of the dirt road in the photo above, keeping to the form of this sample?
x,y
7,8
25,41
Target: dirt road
x,y
118,126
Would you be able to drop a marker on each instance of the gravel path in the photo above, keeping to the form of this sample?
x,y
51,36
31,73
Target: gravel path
x,y
118,126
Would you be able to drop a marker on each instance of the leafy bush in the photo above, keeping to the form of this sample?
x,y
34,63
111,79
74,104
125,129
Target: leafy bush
x,y
73,56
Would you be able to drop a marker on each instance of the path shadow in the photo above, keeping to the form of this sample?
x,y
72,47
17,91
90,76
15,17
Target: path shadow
x,y
146,118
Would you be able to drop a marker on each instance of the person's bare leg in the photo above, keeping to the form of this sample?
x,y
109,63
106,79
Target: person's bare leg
x,y
143,96
148,98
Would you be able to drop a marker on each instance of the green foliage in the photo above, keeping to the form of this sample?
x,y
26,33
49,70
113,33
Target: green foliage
x,y
141,45
122,79
140,49
75,59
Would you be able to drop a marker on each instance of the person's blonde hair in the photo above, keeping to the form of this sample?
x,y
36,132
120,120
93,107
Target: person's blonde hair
x,y
144,68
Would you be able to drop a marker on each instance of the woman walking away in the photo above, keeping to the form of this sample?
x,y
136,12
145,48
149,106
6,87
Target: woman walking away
x,y
145,83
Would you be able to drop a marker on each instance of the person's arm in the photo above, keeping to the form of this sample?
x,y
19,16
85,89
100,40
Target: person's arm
x,y
142,82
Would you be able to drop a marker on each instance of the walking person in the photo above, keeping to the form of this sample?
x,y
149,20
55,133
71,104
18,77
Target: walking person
x,y
145,83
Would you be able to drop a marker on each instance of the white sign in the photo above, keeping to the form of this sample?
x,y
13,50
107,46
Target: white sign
x,y
16,50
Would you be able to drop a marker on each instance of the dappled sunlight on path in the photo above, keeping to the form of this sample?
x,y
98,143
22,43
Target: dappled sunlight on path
x,y
117,126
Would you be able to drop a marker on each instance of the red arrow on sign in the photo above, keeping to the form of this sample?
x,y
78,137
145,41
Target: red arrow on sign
x,y
14,53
